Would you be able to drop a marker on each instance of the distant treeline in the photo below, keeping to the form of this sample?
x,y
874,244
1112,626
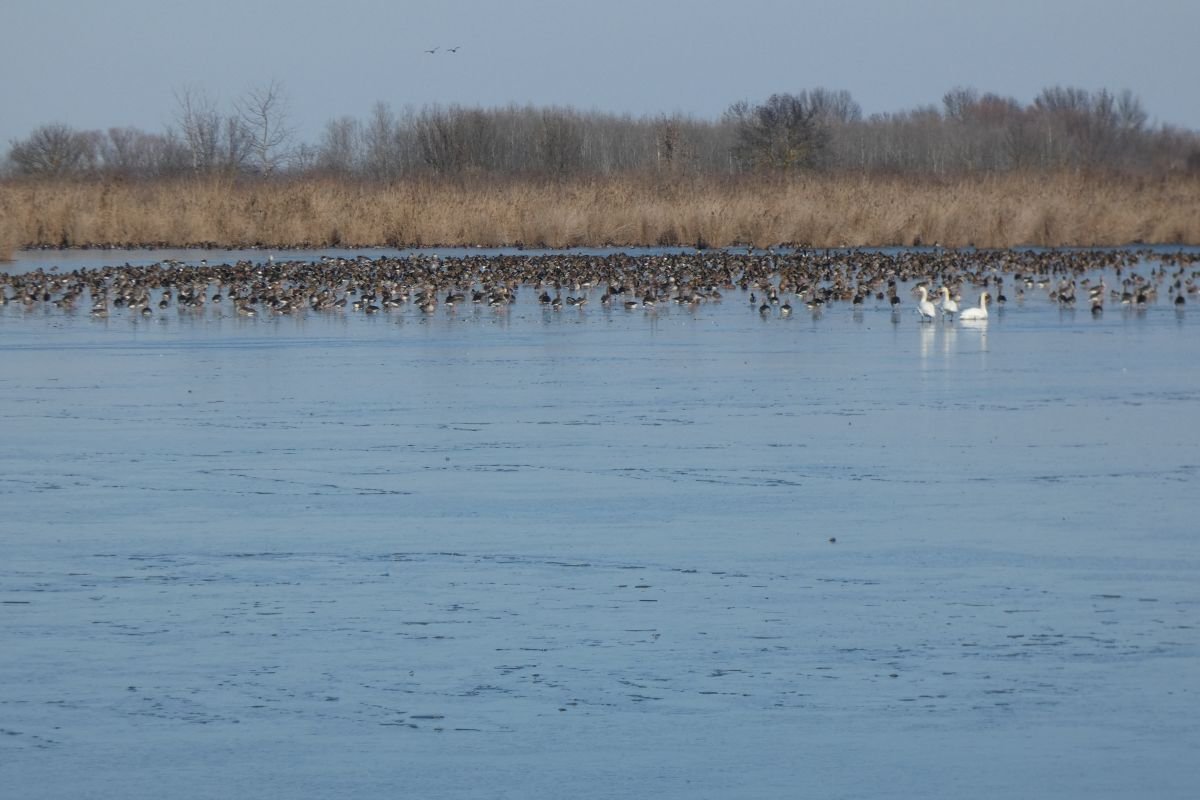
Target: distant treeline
x,y
814,130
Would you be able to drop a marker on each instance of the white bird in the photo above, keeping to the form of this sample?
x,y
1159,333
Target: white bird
x,y
949,306
924,307
976,313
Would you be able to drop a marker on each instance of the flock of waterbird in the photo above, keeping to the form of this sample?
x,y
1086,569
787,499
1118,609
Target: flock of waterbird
x,y
777,283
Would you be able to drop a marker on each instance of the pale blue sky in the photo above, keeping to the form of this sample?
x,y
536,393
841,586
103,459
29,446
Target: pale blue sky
x,y
112,63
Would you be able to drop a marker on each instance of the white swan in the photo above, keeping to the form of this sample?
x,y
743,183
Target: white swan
x,y
976,313
924,307
949,305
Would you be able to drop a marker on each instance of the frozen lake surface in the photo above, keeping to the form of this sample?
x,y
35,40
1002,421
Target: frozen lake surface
x,y
587,553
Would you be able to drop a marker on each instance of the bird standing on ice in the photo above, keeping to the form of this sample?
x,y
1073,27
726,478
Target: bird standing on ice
x,y
924,307
979,313
949,305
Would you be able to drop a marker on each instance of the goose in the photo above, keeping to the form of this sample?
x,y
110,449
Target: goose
x,y
924,307
949,305
979,313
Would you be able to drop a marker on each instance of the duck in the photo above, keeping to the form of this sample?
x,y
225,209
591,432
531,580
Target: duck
x,y
977,314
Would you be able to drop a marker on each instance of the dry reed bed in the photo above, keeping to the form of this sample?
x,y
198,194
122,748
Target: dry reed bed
x,y
818,210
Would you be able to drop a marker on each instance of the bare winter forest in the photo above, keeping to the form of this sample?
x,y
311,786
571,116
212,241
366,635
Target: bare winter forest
x,y
1070,167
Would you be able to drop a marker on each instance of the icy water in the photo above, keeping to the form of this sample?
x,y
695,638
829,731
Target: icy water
x,y
590,554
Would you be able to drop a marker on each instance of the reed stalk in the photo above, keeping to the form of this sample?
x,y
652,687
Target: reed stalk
x,y
10,240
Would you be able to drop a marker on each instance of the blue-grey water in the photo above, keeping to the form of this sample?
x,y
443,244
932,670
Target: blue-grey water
x,y
594,553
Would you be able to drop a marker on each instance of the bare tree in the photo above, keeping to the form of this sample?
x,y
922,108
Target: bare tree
x,y
457,139
264,115
559,142
668,142
833,107
958,102
339,152
54,150
236,146
380,144
133,153
200,126
1130,112
781,134
1091,128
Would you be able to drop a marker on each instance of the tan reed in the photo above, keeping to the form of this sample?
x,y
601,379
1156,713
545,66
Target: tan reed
x,y
818,210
